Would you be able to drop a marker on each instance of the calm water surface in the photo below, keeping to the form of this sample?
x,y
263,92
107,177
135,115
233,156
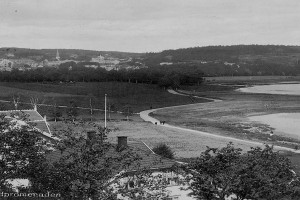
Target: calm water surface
x,y
289,89
287,124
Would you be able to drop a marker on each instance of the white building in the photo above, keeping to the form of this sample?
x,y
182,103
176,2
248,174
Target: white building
x,y
100,59
10,55
107,61
6,65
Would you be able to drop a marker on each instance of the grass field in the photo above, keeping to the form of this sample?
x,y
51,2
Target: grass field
x,y
185,144
137,96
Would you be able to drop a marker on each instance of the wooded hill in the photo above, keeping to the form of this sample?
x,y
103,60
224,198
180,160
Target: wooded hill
x,y
232,60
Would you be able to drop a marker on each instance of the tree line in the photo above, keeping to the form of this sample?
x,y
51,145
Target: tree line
x,y
77,72
226,53
237,60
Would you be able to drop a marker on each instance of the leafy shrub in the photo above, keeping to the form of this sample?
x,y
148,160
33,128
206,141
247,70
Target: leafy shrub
x,y
164,150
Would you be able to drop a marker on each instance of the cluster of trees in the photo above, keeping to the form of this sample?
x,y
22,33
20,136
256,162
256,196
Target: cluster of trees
x,y
257,174
72,71
19,151
221,173
87,169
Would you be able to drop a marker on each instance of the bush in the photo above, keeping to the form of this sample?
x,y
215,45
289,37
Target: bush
x,y
164,150
257,174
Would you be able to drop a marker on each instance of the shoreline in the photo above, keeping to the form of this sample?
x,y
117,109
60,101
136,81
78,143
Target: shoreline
x,y
155,120
262,134
281,89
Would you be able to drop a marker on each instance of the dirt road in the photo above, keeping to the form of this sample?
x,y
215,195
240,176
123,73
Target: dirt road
x,y
145,116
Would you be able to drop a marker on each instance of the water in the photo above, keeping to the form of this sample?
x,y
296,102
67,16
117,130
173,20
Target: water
x,y
287,124
288,89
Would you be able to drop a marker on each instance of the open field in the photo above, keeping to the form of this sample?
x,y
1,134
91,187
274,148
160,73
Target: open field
x,y
119,94
185,144
9,91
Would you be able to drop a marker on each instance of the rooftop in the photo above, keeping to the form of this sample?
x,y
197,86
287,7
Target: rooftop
x,y
149,160
31,117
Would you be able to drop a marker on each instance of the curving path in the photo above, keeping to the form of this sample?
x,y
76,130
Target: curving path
x,y
184,93
145,116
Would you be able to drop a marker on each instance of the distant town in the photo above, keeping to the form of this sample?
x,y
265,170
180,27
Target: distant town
x,y
9,61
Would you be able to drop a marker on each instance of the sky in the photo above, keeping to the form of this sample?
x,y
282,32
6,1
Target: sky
x,y
147,25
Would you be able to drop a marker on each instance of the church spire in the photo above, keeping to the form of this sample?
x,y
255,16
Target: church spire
x,y
57,55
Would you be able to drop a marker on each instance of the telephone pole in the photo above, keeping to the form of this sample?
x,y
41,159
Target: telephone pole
x,y
105,112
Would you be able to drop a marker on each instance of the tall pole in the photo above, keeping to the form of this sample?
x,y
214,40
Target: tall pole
x,y
105,112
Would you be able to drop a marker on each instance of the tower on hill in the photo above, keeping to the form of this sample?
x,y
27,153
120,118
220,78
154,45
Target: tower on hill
x,y
57,55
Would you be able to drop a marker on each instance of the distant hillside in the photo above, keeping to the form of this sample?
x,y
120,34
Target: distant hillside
x,y
232,60
238,60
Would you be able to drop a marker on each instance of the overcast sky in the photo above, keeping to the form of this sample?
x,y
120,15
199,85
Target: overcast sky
x,y
147,25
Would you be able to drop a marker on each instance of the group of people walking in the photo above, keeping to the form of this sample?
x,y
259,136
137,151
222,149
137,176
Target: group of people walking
x,y
160,122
